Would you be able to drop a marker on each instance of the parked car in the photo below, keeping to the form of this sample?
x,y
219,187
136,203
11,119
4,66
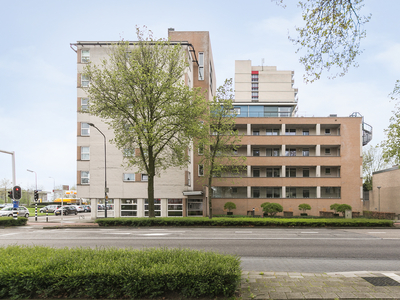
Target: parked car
x,y
67,210
8,212
87,208
49,208
100,206
5,205
79,208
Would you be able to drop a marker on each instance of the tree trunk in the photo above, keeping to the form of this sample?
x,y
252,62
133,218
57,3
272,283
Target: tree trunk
x,y
209,197
150,187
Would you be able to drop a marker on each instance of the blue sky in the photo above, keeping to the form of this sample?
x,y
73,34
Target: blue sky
x,y
38,67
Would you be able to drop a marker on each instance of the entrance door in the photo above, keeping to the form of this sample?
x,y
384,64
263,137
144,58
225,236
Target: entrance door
x,y
195,207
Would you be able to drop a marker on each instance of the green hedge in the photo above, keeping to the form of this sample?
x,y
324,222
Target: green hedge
x,y
8,221
243,222
43,272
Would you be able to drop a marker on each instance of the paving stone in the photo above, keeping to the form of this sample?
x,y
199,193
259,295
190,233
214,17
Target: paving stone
x,y
362,295
276,295
316,290
294,296
299,289
381,295
329,296
312,296
283,289
254,276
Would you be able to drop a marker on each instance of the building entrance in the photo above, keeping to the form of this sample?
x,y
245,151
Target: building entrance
x,y
195,207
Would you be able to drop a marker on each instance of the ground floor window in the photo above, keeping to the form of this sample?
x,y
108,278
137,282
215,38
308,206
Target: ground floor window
x,y
195,207
157,207
128,207
175,208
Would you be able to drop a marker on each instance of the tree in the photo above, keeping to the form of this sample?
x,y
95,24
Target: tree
x,y
304,207
218,139
334,207
373,160
139,92
5,184
229,206
342,208
271,208
331,36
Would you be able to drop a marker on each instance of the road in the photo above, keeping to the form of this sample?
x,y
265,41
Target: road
x,y
261,249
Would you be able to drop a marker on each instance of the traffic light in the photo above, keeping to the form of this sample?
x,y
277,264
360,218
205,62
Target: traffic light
x,y
36,195
10,194
17,192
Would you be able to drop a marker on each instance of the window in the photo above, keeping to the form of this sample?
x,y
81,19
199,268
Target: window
x,y
235,152
272,132
175,208
273,172
254,95
256,193
84,104
306,172
256,152
85,153
290,172
85,56
306,193
290,192
85,81
306,132
129,177
128,207
201,170
234,190
273,192
256,172
85,177
129,152
306,152
290,152
256,132
85,129
237,110
201,65
157,207
272,152
327,171
145,177
211,79
254,86
201,149
327,131
327,151
290,131
254,76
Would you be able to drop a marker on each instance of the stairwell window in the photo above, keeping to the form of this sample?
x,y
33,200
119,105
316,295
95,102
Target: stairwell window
x,y
85,56
85,129
84,104
85,81
85,153
201,65
85,177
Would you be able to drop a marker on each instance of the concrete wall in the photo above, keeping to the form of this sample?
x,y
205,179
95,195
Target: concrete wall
x,y
388,198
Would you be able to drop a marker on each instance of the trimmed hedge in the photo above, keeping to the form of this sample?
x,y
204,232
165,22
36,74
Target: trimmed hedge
x,y
44,272
243,222
8,221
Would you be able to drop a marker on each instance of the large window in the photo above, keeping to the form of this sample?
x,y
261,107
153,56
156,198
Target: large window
x,y
306,152
290,192
85,153
201,65
256,132
306,132
85,129
84,104
273,172
157,207
129,177
256,193
175,208
290,131
272,152
85,81
256,152
306,193
272,132
274,192
256,172
85,56
290,152
306,172
85,177
290,172
128,207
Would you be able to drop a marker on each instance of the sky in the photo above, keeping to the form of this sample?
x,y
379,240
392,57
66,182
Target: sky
x,y
38,67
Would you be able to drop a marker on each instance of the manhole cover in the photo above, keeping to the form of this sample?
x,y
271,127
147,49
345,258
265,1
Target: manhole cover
x,y
382,281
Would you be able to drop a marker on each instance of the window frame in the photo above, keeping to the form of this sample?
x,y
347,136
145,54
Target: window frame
x,y
201,66
85,131
85,58
127,179
144,177
200,170
87,177
85,153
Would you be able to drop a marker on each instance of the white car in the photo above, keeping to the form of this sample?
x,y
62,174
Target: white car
x,y
8,212
79,208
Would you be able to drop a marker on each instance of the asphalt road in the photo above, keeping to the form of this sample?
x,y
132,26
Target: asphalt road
x,y
297,250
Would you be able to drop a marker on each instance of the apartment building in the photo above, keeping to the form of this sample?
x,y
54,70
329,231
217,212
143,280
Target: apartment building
x,y
290,160
127,188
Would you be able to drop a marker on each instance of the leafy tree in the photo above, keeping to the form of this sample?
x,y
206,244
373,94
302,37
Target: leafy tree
x,y
330,37
229,206
373,160
139,92
334,207
342,208
218,139
304,207
271,208
5,185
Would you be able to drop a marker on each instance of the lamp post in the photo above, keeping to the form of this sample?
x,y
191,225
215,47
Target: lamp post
x,y
105,170
54,188
36,190
379,197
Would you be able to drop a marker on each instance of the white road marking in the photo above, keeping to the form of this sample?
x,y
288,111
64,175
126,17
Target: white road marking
x,y
376,232
155,234
7,234
248,232
393,276
117,233
308,232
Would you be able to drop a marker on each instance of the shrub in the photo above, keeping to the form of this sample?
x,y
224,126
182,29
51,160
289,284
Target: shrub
x,y
342,208
334,207
115,273
229,206
7,221
271,208
304,207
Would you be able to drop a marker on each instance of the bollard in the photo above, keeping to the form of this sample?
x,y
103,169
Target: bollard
x,y
47,215
36,211
15,213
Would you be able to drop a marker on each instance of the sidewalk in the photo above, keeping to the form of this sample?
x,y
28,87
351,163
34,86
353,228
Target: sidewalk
x,y
345,285
65,224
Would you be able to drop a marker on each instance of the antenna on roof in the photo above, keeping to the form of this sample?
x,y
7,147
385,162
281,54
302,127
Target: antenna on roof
x,y
262,63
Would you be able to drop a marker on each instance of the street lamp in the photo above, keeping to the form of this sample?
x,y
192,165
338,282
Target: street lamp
x,y
54,188
105,169
379,197
36,190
